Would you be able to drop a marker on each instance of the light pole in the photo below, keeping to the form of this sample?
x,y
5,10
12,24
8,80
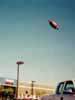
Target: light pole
x,y
17,84
32,90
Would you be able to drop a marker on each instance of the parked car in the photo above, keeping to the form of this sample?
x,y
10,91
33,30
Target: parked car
x,y
64,91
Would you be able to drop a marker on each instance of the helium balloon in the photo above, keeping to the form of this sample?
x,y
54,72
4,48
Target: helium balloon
x,y
53,24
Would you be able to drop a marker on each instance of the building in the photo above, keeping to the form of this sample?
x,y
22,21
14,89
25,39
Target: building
x,y
8,86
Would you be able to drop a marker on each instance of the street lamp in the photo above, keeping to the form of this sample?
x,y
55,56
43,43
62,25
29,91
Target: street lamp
x,y
32,90
17,84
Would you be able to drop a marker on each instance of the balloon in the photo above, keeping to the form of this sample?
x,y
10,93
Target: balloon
x,y
53,24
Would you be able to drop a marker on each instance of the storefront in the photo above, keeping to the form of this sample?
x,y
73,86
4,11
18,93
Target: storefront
x,y
7,88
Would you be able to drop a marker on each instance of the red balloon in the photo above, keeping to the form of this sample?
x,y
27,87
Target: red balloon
x,y
53,24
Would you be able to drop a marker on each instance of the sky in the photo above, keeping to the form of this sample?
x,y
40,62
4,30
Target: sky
x,y
25,34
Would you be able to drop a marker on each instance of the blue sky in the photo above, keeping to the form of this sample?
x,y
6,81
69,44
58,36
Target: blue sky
x,y
48,54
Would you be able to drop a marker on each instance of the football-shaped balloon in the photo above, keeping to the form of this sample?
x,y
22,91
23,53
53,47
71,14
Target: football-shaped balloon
x,y
53,24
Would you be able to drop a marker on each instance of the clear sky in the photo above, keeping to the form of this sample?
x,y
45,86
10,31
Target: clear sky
x,y
48,54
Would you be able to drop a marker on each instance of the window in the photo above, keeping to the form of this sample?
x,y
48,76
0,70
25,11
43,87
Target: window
x,y
69,85
59,88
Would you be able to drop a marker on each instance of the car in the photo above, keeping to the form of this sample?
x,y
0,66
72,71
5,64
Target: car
x,y
65,90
